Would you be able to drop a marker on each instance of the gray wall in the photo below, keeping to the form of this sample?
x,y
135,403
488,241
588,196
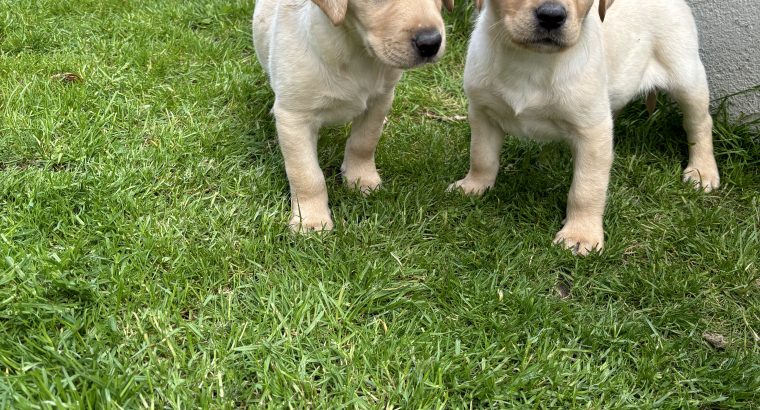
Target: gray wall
x,y
729,33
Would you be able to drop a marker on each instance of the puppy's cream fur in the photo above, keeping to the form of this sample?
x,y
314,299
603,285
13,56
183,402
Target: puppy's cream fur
x,y
565,85
334,61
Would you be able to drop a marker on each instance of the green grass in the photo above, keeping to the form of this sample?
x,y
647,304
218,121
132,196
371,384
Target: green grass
x,y
146,260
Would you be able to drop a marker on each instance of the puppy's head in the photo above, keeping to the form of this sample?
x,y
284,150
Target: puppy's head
x,y
546,26
400,33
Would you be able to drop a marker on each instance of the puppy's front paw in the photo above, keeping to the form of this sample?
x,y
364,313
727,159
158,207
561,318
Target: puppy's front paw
x,y
470,186
305,221
366,181
581,240
702,176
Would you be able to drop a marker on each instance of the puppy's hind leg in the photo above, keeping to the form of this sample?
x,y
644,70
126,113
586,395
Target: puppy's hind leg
x,y
359,170
308,193
692,95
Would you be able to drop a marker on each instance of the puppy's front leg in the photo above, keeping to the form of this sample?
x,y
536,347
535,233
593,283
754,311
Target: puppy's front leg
x,y
358,167
298,136
592,159
485,151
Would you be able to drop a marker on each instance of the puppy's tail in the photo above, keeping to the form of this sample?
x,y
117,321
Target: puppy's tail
x,y
651,102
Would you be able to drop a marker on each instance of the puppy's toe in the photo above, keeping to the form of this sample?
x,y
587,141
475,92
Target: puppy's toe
x,y
362,176
469,186
705,178
366,183
305,224
580,242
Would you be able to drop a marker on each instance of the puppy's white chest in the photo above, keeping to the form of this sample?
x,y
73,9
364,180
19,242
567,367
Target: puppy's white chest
x,y
350,95
337,111
524,113
519,101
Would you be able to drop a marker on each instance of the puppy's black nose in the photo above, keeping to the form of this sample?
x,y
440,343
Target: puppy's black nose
x,y
551,15
427,42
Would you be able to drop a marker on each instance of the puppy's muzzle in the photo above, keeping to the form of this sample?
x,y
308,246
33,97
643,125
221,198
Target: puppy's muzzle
x,y
551,16
427,43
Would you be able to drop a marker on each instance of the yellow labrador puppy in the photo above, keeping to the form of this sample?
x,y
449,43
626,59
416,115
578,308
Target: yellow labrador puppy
x,y
334,61
557,69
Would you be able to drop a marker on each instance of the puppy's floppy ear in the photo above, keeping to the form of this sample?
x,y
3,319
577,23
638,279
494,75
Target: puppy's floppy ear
x,y
449,4
478,4
335,9
603,6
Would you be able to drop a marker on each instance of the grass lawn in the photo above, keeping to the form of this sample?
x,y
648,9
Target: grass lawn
x,y
145,259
